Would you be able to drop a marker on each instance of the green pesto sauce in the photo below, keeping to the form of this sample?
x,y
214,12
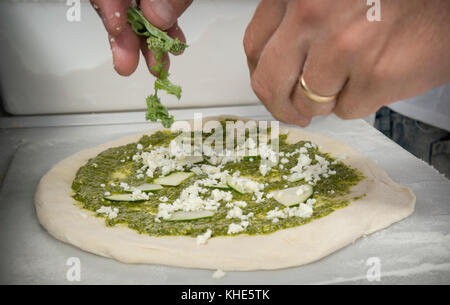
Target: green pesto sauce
x,y
115,165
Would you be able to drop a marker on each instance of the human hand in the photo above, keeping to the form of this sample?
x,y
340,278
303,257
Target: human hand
x,y
339,52
125,44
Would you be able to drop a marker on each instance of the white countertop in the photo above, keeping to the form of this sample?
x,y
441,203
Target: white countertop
x,y
415,250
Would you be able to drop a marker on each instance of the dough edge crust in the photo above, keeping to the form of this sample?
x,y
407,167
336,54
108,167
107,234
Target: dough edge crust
x,y
385,203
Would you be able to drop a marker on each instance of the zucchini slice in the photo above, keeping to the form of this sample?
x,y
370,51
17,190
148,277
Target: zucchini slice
x,y
173,179
294,195
235,186
122,197
219,186
147,187
191,159
187,216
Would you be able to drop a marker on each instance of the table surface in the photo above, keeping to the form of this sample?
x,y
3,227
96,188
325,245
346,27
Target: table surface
x,y
415,250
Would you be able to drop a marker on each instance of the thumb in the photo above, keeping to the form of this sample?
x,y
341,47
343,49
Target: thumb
x,y
164,13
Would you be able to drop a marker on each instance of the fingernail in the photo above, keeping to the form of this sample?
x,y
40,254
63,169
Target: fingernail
x,y
163,9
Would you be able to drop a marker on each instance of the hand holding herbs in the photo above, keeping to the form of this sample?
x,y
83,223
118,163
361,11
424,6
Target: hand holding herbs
x,y
159,43
139,29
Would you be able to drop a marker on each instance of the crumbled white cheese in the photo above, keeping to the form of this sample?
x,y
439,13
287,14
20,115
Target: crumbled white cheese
x,y
124,186
234,228
240,203
165,159
244,224
303,211
202,239
259,197
196,170
248,185
190,199
218,274
111,213
268,153
311,173
235,212
275,213
139,195
311,201
219,195
264,169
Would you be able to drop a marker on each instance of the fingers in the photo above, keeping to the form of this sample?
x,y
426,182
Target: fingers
x,y
180,6
176,32
113,14
358,100
125,50
150,59
326,69
164,13
325,72
124,43
365,91
265,21
278,69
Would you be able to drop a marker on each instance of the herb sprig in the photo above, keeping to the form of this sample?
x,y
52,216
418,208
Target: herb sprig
x,y
160,43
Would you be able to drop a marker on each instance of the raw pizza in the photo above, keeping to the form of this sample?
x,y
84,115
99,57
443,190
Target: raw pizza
x,y
273,200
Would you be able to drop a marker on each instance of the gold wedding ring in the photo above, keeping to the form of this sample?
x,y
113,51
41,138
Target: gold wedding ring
x,y
314,96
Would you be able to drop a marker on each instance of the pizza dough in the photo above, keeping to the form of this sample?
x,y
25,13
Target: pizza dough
x,y
386,202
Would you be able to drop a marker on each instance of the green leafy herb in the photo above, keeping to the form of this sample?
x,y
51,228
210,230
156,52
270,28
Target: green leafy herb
x,y
160,43
156,111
